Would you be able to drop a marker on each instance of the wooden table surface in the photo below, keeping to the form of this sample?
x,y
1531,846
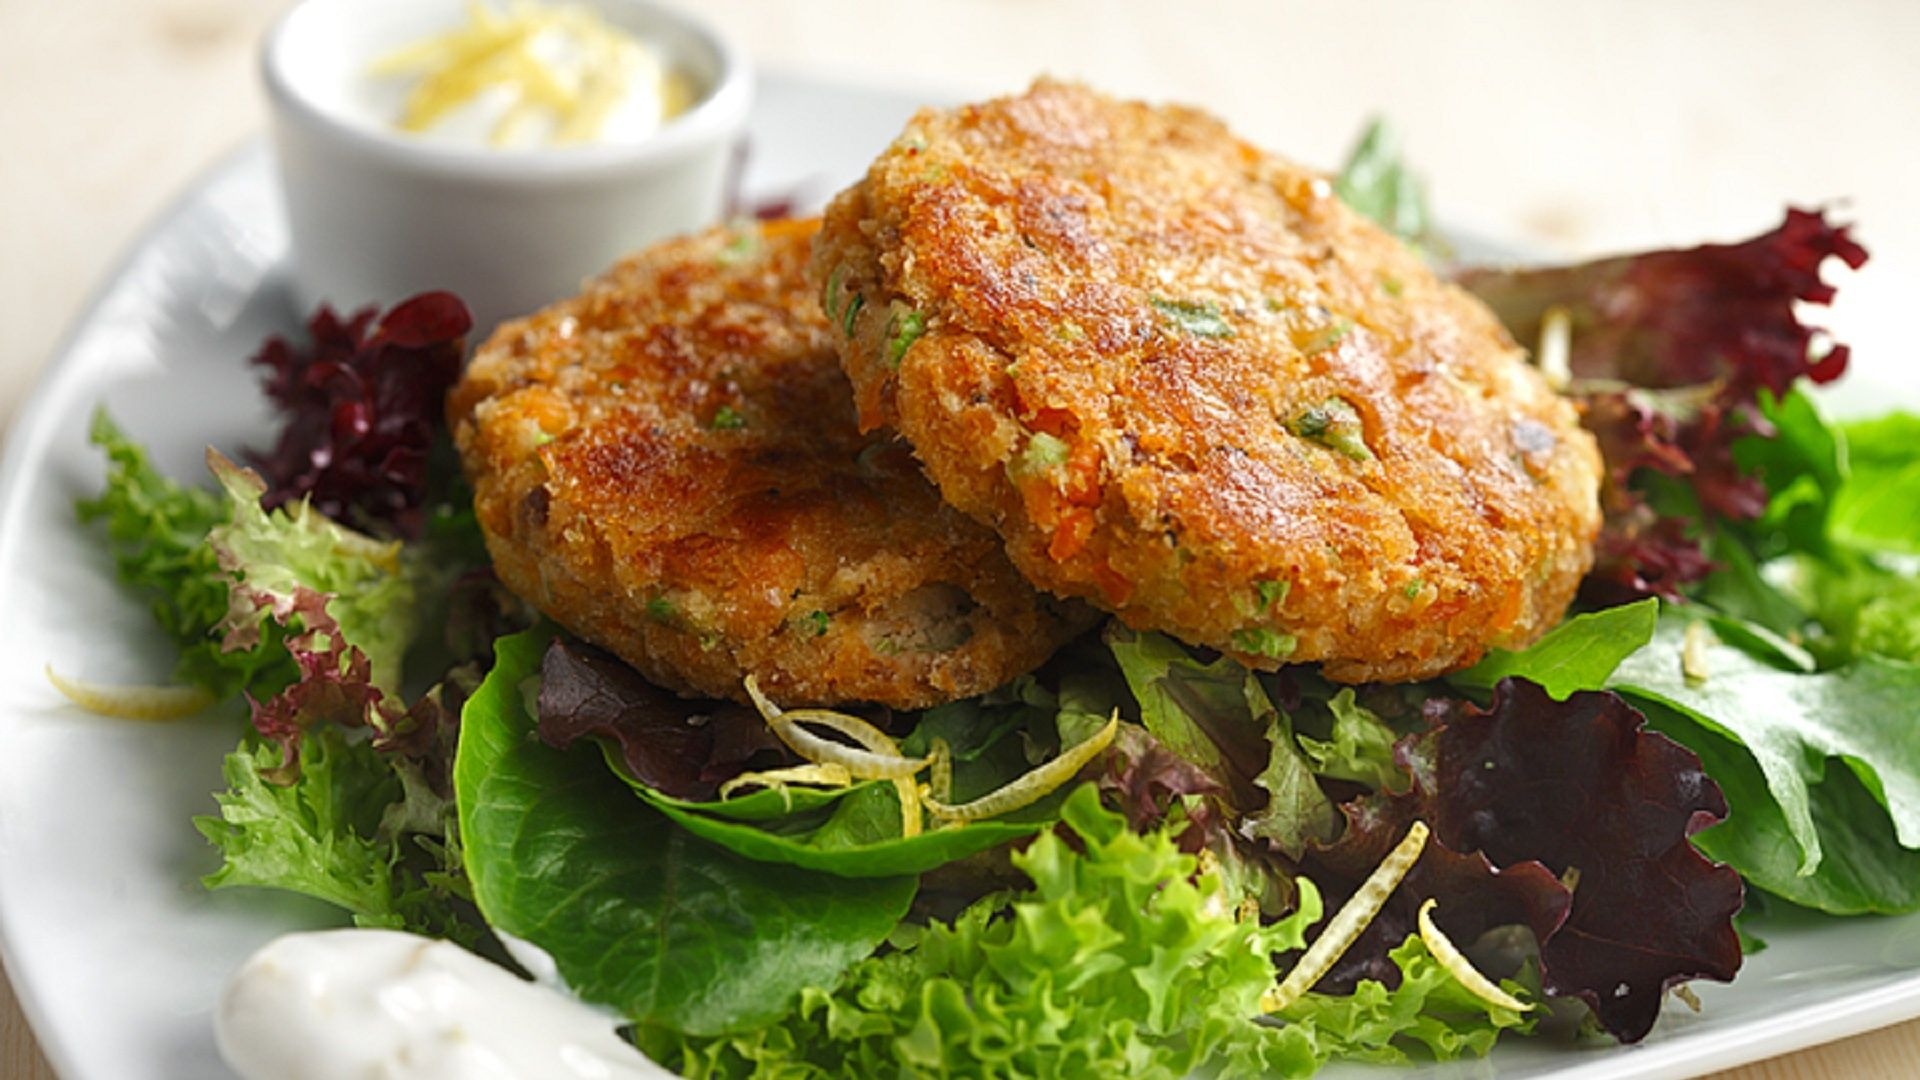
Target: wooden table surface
x,y
1561,127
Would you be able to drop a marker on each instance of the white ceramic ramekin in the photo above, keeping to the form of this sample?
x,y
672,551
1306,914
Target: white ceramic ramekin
x,y
376,215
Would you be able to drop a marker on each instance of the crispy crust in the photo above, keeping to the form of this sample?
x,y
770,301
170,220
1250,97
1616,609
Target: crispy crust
x,y
668,465
1133,324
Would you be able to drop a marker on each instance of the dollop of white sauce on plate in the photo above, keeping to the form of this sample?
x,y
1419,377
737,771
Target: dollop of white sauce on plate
x,y
357,1004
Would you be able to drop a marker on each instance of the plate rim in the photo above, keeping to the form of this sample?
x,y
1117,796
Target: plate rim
x,y
27,441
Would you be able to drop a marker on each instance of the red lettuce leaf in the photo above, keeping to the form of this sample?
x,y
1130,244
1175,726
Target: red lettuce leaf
x,y
1149,784
1683,317
335,684
1640,554
336,687
1474,896
678,747
1142,779
344,610
1526,792
1669,351
1679,433
361,407
1580,786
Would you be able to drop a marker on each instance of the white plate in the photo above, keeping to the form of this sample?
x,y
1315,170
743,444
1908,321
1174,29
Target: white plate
x,y
116,951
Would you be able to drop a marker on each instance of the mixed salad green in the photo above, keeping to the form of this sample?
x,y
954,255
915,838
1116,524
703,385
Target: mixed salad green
x,y
1726,714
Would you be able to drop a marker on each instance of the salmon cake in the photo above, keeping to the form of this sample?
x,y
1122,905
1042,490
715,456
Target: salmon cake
x,y
1187,384
668,465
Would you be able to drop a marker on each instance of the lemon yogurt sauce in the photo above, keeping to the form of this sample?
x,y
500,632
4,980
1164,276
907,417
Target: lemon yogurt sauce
x,y
528,76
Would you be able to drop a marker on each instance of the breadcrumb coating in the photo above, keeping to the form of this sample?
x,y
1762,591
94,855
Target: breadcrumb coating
x,y
668,465
1188,385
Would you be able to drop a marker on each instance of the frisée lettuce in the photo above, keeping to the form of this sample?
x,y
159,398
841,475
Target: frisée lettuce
x,y
1125,957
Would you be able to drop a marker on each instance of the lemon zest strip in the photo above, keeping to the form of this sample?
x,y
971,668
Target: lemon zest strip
x,y
940,771
811,775
878,757
1349,922
139,702
1029,787
1449,956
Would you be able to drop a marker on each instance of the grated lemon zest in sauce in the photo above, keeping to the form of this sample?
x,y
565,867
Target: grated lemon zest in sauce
x,y
1449,956
502,50
1347,924
157,703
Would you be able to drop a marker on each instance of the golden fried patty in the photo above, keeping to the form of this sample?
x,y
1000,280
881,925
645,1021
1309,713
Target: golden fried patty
x,y
668,465
1184,382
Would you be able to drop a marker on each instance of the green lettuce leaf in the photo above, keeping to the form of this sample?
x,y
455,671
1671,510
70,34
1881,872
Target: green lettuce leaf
x,y
1126,958
1860,583
860,838
1878,507
1218,716
1803,465
1864,608
856,831
638,914
242,591
1741,592
1377,183
998,735
1578,654
1828,569
1863,868
218,569
1297,812
1360,747
1798,730
228,578
157,533
276,557
329,835
1211,714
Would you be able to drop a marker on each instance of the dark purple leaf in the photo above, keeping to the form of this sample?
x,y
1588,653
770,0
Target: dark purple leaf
x,y
1581,787
680,747
1684,317
1542,790
1473,895
360,408
1669,350
1641,554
